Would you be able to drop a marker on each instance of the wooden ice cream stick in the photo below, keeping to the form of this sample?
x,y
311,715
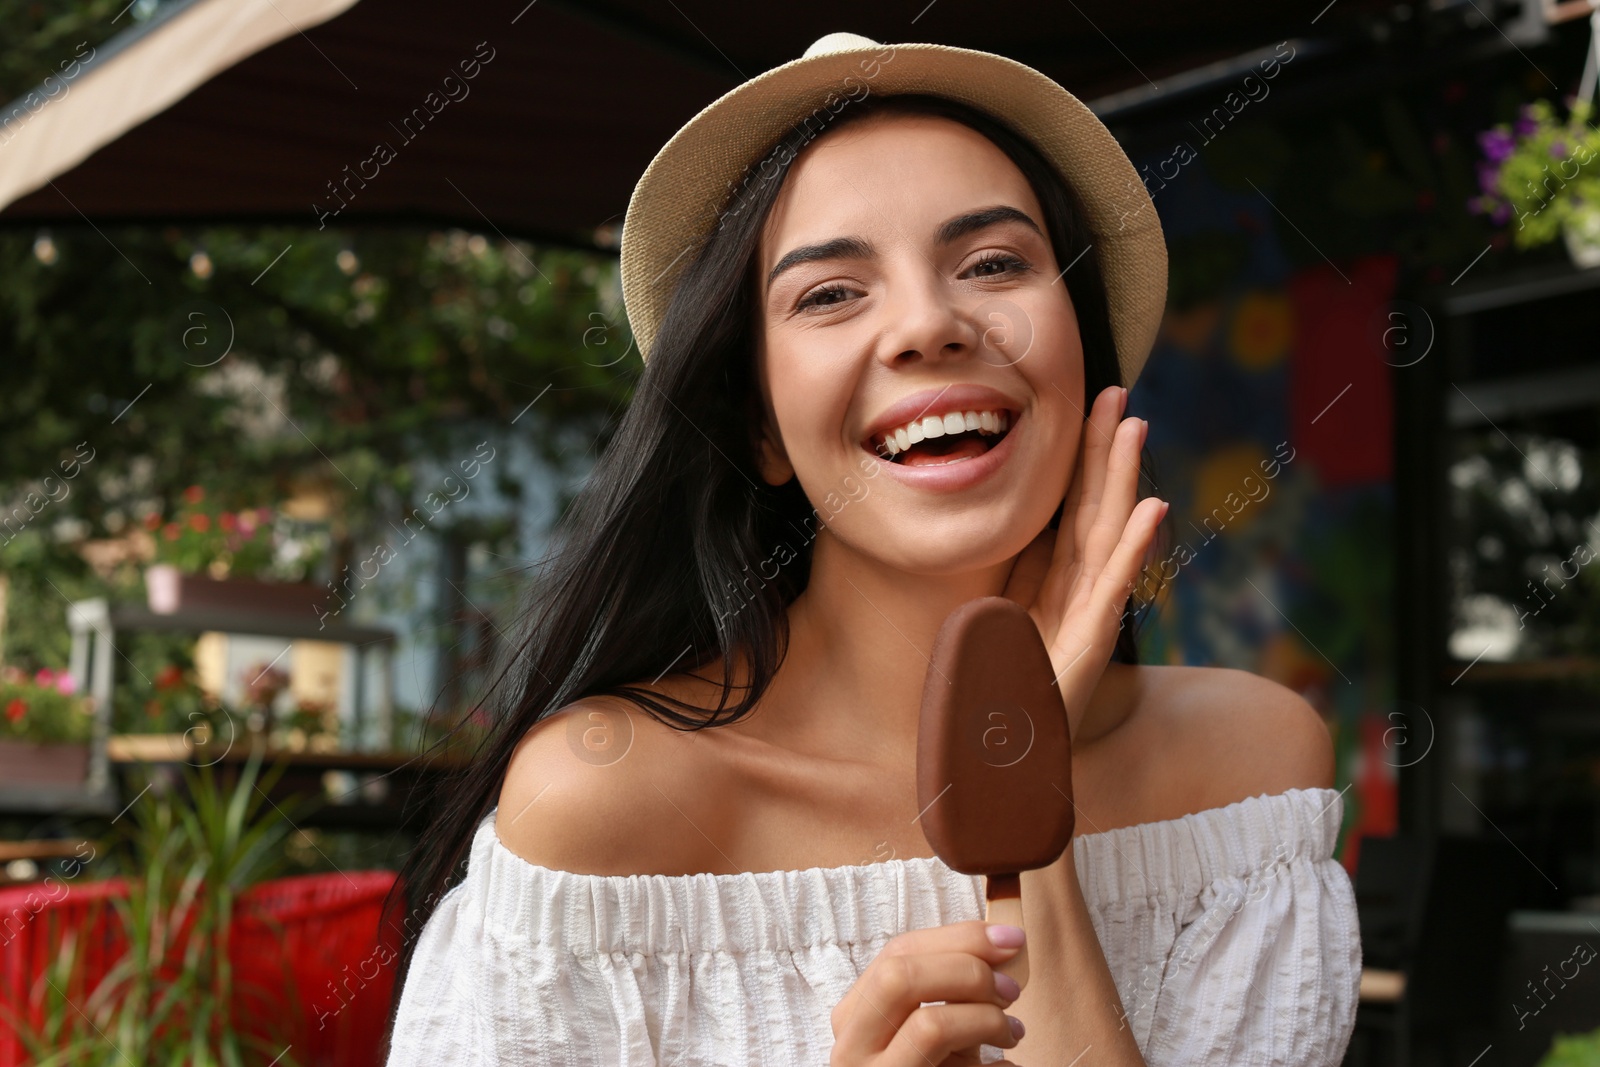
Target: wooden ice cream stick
x,y
1004,894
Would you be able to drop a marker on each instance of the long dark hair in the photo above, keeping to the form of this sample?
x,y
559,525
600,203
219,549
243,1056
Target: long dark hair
x,y
656,552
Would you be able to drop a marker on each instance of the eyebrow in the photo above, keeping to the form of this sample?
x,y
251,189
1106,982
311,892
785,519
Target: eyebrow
x,y
950,230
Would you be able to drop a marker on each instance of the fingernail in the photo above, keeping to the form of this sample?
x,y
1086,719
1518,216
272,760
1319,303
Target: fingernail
x,y
1145,432
1007,987
1165,504
1122,403
1017,1029
1007,936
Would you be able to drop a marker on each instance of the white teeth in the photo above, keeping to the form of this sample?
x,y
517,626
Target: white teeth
x,y
893,442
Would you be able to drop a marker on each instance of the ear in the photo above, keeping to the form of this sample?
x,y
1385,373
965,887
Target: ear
x,y
771,458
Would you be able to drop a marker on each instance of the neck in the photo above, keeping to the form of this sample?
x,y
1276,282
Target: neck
x,y
860,639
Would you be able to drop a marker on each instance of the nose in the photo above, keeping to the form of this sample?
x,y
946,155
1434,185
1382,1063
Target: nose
x,y
926,319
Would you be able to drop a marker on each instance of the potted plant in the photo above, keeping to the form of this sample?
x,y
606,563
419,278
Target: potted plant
x,y
164,718
309,726
263,684
175,991
249,559
45,731
1544,173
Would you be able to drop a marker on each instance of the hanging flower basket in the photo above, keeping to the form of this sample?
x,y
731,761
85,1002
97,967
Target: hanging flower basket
x,y
1582,235
1540,178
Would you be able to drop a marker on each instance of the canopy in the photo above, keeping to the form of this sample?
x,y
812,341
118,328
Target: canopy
x,y
529,116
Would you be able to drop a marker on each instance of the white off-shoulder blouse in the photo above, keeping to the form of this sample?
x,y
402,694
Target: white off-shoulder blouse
x,y
1231,935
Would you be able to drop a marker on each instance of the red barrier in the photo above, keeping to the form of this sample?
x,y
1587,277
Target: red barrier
x,y
308,961
34,921
308,968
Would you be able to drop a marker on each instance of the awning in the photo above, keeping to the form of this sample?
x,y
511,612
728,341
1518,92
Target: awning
x,y
101,92
533,118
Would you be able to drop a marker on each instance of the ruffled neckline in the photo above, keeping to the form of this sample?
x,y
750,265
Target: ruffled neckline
x,y
1163,864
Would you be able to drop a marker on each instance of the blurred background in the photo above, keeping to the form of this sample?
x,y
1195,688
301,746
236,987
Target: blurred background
x,y
310,328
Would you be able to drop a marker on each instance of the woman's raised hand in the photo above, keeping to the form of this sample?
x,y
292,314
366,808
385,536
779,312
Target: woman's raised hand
x,y
1075,580
887,1020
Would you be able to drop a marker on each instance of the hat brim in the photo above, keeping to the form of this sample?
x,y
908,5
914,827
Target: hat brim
x,y
670,211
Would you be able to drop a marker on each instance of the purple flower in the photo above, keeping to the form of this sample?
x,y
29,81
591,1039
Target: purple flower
x,y
1488,176
1501,215
1497,145
1525,125
1558,149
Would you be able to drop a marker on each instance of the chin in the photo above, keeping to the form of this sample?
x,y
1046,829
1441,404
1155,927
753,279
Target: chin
x,y
948,549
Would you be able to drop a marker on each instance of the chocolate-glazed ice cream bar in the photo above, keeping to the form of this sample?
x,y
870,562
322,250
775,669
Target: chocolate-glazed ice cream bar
x,y
994,756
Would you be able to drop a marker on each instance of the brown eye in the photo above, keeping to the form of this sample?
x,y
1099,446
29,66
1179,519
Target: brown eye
x,y
1002,261
813,298
1010,264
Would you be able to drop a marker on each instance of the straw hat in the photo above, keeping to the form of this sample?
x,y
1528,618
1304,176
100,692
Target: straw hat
x,y
702,173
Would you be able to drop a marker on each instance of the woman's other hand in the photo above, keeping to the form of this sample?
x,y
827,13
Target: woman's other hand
x,y
887,1020
1075,580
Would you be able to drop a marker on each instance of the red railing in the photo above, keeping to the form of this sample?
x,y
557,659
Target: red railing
x,y
309,970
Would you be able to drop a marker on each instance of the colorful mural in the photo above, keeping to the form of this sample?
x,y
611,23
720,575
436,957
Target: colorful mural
x,y
1270,413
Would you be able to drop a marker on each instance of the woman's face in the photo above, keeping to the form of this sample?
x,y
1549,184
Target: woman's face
x,y
906,278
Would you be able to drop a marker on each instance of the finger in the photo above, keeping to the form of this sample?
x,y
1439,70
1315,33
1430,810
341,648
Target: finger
x,y
1119,493
1096,521
892,988
970,936
1053,551
1116,582
1087,633
967,1057
1098,434
1035,574
935,1032
970,1057
1029,572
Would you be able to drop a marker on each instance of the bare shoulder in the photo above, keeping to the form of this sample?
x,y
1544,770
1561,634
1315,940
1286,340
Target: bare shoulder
x,y
600,787
1242,734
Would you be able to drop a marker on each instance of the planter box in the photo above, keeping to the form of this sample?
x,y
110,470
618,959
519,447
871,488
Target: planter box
x,y
27,763
308,969
169,591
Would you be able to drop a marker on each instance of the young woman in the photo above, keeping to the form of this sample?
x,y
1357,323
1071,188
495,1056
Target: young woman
x,y
887,374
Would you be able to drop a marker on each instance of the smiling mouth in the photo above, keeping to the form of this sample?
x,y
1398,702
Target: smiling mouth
x,y
948,448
